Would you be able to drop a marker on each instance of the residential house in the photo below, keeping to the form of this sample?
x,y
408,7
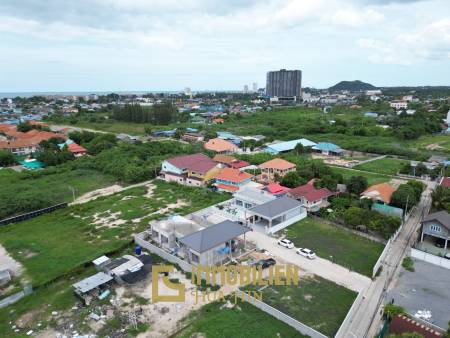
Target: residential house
x,y
398,104
167,232
225,135
401,325
193,170
274,167
312,198
282,147
275,215
215,244
371,114
445,182
326,148
379,193
230,161
437,226
220,146
193,137
230,180
218,120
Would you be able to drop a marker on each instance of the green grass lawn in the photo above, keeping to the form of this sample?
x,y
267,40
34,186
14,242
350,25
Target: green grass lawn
x,y
115,127
238,322
387,165
372,178
347,249
426,142
53,245
53,188
316,302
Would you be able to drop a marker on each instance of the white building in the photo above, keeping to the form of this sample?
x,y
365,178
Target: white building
x,y
398,104
373,92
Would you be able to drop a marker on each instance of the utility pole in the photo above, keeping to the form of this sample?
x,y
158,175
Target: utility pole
x,y
73,192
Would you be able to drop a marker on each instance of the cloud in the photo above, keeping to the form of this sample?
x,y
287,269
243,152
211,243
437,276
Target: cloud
x,y
431,42
355,17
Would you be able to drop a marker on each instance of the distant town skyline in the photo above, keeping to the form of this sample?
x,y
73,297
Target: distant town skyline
x,y
162,45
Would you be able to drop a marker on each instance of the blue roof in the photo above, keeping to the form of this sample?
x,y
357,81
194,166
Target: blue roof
x,y
61,145
371,114
288,145
326,146
229,136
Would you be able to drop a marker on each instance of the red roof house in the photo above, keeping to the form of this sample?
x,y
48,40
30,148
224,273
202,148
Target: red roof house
x,y
312,198
401,324
76,149
445,182
277,189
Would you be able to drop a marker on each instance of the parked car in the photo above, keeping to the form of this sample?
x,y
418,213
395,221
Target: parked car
x,y
306,253
265,263
447,255
440,243
286,243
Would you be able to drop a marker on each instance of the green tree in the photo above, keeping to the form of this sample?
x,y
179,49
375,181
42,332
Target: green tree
x,y
292,180
357,184
7,158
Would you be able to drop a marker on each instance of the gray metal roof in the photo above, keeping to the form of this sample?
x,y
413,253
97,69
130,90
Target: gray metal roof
x,y
442,217
276,207
213,236
92,282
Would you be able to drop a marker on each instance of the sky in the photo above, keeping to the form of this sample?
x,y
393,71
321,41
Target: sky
x,y
126,45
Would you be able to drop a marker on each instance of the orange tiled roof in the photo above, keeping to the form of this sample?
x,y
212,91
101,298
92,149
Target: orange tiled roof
x,y
381,191
225,159
233,175
230,188
277,163
76,149
219,145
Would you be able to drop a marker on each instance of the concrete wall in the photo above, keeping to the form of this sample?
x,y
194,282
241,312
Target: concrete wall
x,y
299,326
436,260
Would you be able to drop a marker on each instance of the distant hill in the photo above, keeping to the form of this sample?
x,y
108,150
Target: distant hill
x,y
352,86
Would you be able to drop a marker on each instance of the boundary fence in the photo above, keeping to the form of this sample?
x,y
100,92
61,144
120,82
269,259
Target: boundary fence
x,y
32,214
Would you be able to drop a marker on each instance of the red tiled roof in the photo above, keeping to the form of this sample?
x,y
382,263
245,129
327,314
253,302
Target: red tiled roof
x,y
401,324
195,162
276,188
233,175
445,182
309,192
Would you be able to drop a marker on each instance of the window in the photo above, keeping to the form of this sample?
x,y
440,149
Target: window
x,y
164,239
435,228
194,258
238,202
248,205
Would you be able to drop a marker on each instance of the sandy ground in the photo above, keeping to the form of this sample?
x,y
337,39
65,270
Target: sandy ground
x,y
92,195
434,146
395,182
7,262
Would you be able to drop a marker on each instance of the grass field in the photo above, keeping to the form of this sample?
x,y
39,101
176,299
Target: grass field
x,y
387,165
341,246
243,321
53,245
430,142
115,127
315,301
53,188
372,178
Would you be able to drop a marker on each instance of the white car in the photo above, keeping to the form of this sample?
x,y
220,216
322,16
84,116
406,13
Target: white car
x,y
306,252
286,243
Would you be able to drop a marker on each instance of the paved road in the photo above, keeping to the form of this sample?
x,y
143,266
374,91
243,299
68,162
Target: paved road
x,y
367,319
319,266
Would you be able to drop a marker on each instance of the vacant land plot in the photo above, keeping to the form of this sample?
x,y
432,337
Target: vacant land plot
x,y
215,320
27,191
315,301
387,165
372,178
54,244
338,245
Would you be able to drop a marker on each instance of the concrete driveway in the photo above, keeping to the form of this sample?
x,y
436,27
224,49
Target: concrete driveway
x,y
319,266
